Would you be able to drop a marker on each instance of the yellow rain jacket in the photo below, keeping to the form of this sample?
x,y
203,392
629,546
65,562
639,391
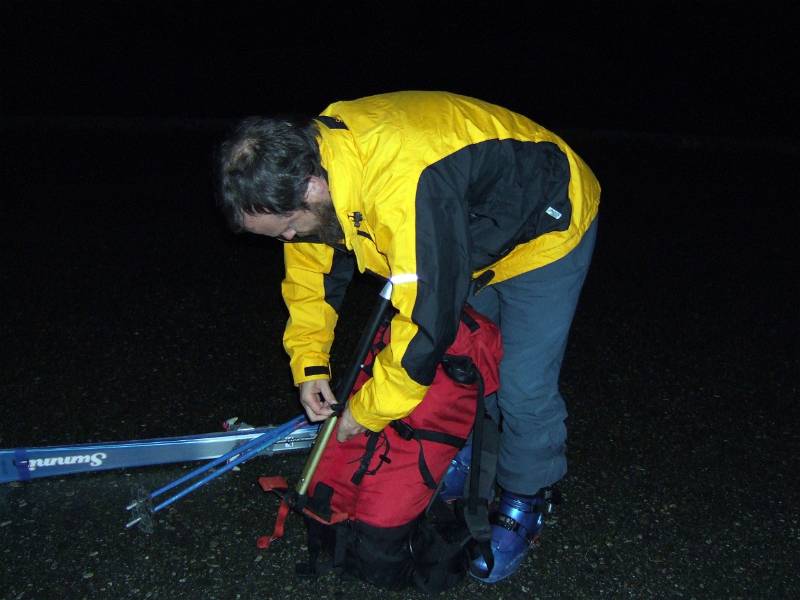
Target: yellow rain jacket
x,y
432,190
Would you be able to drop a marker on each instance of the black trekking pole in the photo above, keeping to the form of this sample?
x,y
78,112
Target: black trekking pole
x,y
343,391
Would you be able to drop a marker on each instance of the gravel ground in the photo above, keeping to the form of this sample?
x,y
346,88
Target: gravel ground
x,y
129,312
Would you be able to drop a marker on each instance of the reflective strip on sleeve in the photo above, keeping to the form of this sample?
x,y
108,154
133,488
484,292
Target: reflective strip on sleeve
x,y
403,278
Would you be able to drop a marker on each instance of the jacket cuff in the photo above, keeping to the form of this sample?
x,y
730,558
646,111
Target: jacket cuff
x,y
363,418
309,371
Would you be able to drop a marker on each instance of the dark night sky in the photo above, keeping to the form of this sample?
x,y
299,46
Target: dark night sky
x,y
702,67
128,310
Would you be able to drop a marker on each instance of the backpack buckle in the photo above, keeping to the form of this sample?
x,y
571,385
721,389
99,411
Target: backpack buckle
x,y
404,430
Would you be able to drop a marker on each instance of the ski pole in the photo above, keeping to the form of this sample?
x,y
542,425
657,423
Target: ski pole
x,y
234,457
143,507
346,387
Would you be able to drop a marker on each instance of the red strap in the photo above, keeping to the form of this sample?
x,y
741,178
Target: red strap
x,y
276,483
336,517
280,522
270,484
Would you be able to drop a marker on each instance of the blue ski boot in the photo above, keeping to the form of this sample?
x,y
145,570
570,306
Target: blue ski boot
x,y
516,525
455,478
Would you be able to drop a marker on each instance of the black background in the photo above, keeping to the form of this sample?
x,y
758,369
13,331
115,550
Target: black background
x,y
701,67
128,311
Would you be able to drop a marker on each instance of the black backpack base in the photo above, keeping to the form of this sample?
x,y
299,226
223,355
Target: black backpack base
x,y
430,554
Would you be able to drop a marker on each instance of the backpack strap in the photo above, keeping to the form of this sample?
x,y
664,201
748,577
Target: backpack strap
x,y
372,446
407,432
474,514
460,369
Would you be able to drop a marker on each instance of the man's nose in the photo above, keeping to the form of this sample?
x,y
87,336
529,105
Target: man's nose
x,y
288,234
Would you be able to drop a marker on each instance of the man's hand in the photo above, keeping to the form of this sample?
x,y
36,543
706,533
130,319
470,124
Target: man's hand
x,y
348,426
317,398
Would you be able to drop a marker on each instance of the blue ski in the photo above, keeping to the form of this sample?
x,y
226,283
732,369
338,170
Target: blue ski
x,y
22,464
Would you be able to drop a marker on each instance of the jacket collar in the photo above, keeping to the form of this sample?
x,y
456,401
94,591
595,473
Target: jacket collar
x,y
344,172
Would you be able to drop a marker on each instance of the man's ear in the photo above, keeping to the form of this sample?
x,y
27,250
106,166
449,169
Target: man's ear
x,y
317,190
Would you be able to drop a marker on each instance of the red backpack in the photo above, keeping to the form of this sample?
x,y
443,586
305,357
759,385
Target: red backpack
x,y
368,496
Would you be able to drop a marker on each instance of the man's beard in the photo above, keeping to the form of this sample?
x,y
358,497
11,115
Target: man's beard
x,y
330,230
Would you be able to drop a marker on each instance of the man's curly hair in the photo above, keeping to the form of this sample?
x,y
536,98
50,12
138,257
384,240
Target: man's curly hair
x,y
264,167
